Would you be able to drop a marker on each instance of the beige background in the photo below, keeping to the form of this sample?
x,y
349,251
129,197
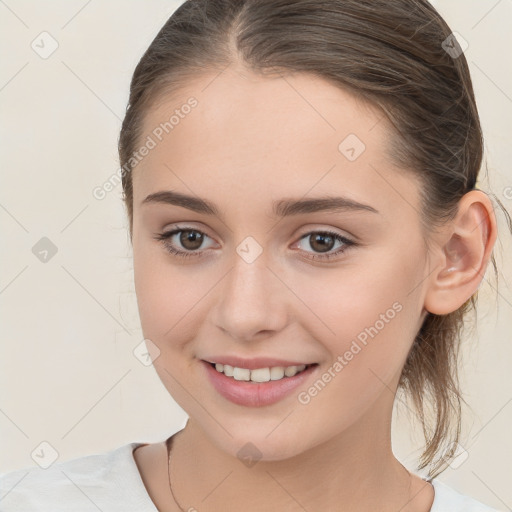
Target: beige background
x,y
68,375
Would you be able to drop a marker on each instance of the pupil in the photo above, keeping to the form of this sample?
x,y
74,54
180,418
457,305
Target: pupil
x,y
191,236
323,247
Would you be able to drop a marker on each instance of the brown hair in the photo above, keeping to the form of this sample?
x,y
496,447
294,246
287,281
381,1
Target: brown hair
x,y
394,56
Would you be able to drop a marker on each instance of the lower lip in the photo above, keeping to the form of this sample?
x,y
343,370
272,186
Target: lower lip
x,y
255,394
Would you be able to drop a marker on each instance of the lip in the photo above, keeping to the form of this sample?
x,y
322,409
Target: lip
x,y
256,394
253,363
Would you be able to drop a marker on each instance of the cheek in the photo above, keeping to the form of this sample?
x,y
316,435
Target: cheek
x,y
161,290
373,318
170,297
367,313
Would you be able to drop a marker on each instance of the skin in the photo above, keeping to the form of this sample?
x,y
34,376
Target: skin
x,y
249,141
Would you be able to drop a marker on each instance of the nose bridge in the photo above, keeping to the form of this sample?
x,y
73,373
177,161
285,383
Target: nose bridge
x,y
252,298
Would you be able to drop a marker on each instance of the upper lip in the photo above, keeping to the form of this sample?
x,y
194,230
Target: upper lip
x,y
253,363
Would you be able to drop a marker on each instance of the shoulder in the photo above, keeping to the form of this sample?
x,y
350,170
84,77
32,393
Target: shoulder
x,y
447,499
105,481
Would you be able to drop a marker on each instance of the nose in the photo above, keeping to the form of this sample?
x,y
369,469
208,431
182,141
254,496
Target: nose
x,y
253,301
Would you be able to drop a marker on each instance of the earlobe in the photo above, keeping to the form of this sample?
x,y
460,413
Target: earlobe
x,y
462,255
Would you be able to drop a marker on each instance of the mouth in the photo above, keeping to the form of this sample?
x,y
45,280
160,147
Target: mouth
x,y
258,386
260,375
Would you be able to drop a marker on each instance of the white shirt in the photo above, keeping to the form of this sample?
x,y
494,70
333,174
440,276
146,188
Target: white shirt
x,y
111,482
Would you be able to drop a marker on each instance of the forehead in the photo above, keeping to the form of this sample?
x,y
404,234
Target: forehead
x,y
249,137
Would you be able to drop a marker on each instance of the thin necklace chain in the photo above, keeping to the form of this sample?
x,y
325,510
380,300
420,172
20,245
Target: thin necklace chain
x,y
410,482
168,445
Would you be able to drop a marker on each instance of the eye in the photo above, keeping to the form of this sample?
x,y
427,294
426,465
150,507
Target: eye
x,y
189,238
324,241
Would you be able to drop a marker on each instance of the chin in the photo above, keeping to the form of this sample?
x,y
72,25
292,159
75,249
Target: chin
x,y
255,444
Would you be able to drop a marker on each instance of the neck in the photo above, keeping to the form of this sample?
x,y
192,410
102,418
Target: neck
x,y
355,471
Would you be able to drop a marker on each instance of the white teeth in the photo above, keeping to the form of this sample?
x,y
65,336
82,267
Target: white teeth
x,y
276,373
241,374
290,371
259,374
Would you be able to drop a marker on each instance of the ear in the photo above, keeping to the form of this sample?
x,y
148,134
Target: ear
x,y
461,255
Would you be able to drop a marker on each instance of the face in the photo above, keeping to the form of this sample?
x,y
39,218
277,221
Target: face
x,y
339,288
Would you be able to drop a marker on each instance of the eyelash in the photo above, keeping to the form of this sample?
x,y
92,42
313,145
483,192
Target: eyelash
x,y
164,237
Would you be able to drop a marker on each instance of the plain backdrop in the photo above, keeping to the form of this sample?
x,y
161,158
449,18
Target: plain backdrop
x,y
68,374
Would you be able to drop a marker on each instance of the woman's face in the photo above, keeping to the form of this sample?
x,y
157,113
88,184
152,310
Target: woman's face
x,y
257,282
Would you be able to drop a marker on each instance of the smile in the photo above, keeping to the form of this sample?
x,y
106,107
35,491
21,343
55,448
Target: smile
x,y
257,387
259,374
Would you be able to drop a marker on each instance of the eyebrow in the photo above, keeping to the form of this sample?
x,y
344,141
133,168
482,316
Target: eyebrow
x,y
281,208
